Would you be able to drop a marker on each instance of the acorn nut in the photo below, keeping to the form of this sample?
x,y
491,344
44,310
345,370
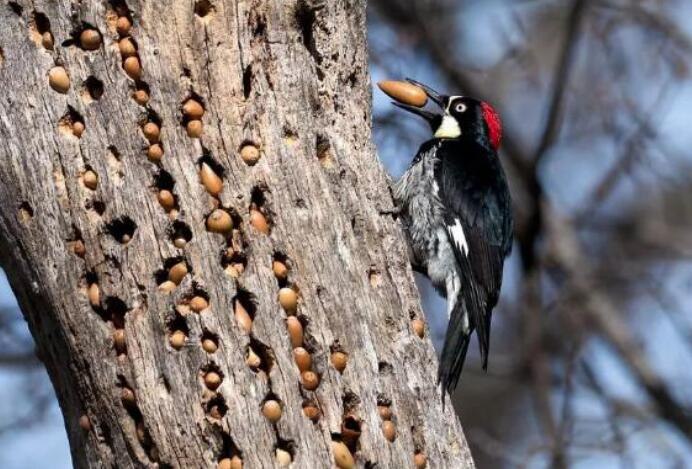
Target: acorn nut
x,y
127,47
94,294
259,221
339,360
389,430
295,331
85,423
252,359
288,299
177,273
47,40
198,304
219,221
250,154
404,92
141,97
167,286
90,179
177,339
418,327
271,409
210,180
151,132
90,39
155,152
420,460
192,109
132,67
311,411
59,80
212,380
166,199
302,358
123,25
310,380
209,345
280,270
283,457
242,316
342,456
194,128
385,412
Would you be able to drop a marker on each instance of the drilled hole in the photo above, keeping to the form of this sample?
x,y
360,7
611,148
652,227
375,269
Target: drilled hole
x,y
265,355
122,229
92,90
216,408
178,331
204,8
25,212
16,8
115,310
180,234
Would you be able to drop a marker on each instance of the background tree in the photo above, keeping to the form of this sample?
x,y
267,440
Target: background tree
x,y
196,229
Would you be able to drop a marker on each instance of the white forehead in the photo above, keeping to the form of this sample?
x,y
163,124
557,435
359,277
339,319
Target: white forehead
x,y
449,103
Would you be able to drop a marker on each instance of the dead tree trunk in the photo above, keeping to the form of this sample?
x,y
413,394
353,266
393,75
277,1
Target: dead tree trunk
x,y
159,322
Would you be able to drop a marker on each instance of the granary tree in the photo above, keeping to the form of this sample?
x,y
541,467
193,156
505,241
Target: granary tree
x,y
199,234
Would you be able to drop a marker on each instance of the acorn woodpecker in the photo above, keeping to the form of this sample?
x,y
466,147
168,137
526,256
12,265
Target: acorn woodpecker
x,y
454,205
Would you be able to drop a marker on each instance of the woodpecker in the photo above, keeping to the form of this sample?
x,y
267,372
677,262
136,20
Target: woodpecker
x,y
454,205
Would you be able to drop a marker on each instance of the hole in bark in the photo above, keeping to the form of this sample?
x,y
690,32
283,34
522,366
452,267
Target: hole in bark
x,y
280,268
245,309
210,341
233,262
40,32
259,216
16,8
25,212
180,234
164,180
204,8
323,150
350,431
178,331
247,81
120,8
311,410
306,18
113,153
230,453
92,90
385,368
285,451
212,163
350,402
122,229
97,206
175,269
265,355
216,408
115,311
71,123
375,277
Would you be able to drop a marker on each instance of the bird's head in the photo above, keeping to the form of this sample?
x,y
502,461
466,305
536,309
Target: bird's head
x,y
461,117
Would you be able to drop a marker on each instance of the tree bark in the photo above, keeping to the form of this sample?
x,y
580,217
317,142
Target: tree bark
x,y
288,78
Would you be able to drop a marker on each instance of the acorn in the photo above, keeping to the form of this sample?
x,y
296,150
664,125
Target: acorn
x,y
224,463
90,39
123,25
177,273
59,80
132,67
180,242
78,248
385,412
192,109
141,97
236,462
194,128
241,315
127,47
151,132
309,380
234,270
295,331
418,327
209,345
198,304
119,340
167,286
252,359
90,179
339,360
47,40
210,180
94,294
177,339
78,129
259,221
212,380
85,423
166,199
404,92
302,359
283,457
155,152
219,221
288,299
271,409
280,270
342,456
389,430
127,396
311,411
420,460
250,154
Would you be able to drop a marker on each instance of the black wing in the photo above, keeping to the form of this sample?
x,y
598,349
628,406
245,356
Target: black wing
x,y
478,219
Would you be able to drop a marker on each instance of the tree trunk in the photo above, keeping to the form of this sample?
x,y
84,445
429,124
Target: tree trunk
x,y
113,255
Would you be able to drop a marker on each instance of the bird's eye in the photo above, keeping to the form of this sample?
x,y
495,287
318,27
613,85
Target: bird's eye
x,y
461,107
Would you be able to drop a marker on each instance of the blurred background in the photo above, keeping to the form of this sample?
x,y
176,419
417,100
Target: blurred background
x,y
591,350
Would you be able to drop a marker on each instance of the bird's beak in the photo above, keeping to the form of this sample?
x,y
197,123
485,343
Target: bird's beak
x,y
432,118
432,94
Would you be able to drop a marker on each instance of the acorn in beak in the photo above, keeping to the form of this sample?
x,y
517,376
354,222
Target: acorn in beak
x,y
412,96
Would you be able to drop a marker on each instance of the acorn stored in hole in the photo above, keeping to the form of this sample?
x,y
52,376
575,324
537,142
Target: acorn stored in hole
x,y
420,460
141,97
177,273
243,317
90,39
283,457
123,25
212,380
177,339
127,47
250,154
85,423
47,40
151,132
280,270
133,67
210,180
180,242
155,152
78,129
385,412
224,463
418,327
236,462
127,396
209,345
252,359
259,221
119,340
271,409
342,456
78,248
389,430
219,221
404,92
94,294
288,299
295,331
198,304
311,411
339,360
166,199
167,286
59,80
194,128
310,380
302,359
90,179
192,109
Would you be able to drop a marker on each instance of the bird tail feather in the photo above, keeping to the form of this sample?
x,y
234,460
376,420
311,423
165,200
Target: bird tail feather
x,y
455,347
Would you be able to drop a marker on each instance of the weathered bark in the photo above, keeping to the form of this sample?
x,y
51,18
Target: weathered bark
x,y
290,77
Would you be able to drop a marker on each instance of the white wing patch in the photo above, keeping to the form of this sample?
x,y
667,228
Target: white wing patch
x,y
456,231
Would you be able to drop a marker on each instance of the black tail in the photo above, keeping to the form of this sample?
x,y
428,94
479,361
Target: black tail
x,y
454,350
